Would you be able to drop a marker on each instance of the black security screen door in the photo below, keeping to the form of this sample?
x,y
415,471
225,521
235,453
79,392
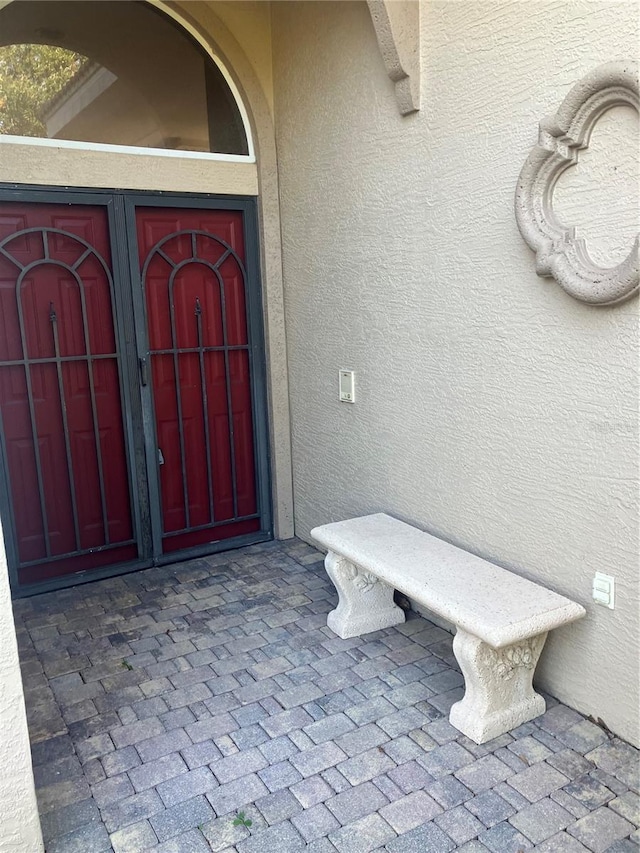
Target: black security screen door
x,y
132,405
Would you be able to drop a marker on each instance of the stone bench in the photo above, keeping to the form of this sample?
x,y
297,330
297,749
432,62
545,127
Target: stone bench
x,y
501,619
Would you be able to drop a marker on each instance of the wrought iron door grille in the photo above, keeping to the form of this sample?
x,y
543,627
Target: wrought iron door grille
x,y
201,329
85,359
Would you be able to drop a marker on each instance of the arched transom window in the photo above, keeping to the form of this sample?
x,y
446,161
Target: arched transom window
x,y
117,72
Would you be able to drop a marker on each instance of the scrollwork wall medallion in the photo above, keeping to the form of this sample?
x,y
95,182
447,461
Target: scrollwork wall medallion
x,y
560,252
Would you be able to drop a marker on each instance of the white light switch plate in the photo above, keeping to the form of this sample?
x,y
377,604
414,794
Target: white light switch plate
x,y
347,386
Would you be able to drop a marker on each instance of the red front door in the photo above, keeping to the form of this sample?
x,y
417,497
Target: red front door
x,y
128,423
193,277
60,391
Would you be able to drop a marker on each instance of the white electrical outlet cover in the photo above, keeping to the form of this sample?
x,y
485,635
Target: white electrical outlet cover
x,y
603,590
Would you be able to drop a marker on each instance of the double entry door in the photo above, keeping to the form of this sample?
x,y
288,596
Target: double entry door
x,y
132,405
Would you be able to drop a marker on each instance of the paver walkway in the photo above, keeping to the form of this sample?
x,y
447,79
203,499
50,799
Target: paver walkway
x,y
163,703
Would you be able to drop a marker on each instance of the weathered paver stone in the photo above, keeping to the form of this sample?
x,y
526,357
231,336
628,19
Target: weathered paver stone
x,y
282,836
312,761
315,822
427,837
625,845
490,808
137,838
64,820
94,747
459,824
599,830
111,790
612,755
570,763
484,773
583,736
234,795
152,773
561,843
278,776
627,806
136,732
287,721
446,759
189,842
329,728
311,791
362,836
178,819
504,838
357,802
60,794
541,820
448,791
131,810
240,764
221,834
410,811
185,786
278,806
201,753
366,765
589,791
538,781
91,836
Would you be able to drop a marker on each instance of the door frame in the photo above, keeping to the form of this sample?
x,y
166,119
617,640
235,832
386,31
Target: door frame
x,y
138,417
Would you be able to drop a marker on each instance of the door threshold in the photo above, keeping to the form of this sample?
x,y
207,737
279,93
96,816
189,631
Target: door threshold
x,y
213,548
78,578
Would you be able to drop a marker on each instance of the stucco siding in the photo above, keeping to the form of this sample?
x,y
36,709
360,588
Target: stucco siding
x,y
19,824
492,409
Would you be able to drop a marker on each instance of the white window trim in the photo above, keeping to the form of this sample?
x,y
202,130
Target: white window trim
x,y
127,149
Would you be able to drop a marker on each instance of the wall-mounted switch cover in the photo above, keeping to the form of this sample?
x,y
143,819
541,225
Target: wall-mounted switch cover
x,y
604,590
347,386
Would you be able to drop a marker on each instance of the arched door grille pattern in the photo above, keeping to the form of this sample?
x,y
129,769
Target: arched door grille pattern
x,y
32,337
211,253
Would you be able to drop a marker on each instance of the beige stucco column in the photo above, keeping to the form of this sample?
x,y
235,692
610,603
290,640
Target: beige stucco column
x,y
19,822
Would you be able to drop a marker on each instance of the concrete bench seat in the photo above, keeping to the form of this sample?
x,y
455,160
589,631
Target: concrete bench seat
x,y
501,619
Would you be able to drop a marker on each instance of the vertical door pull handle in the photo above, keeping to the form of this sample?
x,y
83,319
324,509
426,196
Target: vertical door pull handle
x,y
144,371
160,457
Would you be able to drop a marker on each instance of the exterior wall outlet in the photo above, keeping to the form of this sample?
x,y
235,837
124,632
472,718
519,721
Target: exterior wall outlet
x,y
604,590
347,389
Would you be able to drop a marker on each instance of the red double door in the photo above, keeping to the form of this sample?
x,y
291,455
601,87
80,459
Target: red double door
x,y
131,427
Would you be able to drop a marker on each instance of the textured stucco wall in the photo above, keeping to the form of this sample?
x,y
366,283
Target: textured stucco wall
x,y
250,23
69,167
19,823
492,409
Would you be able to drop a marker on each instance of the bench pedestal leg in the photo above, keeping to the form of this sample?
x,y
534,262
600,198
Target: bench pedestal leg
x,y
365,603
498,686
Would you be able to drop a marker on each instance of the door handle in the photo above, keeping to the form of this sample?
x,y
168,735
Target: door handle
x,y
160,457
144,371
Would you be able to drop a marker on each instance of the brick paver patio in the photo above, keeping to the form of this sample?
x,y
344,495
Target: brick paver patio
x,y
163,703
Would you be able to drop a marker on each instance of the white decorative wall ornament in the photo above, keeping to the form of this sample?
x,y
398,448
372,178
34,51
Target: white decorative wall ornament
x,y
560,253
